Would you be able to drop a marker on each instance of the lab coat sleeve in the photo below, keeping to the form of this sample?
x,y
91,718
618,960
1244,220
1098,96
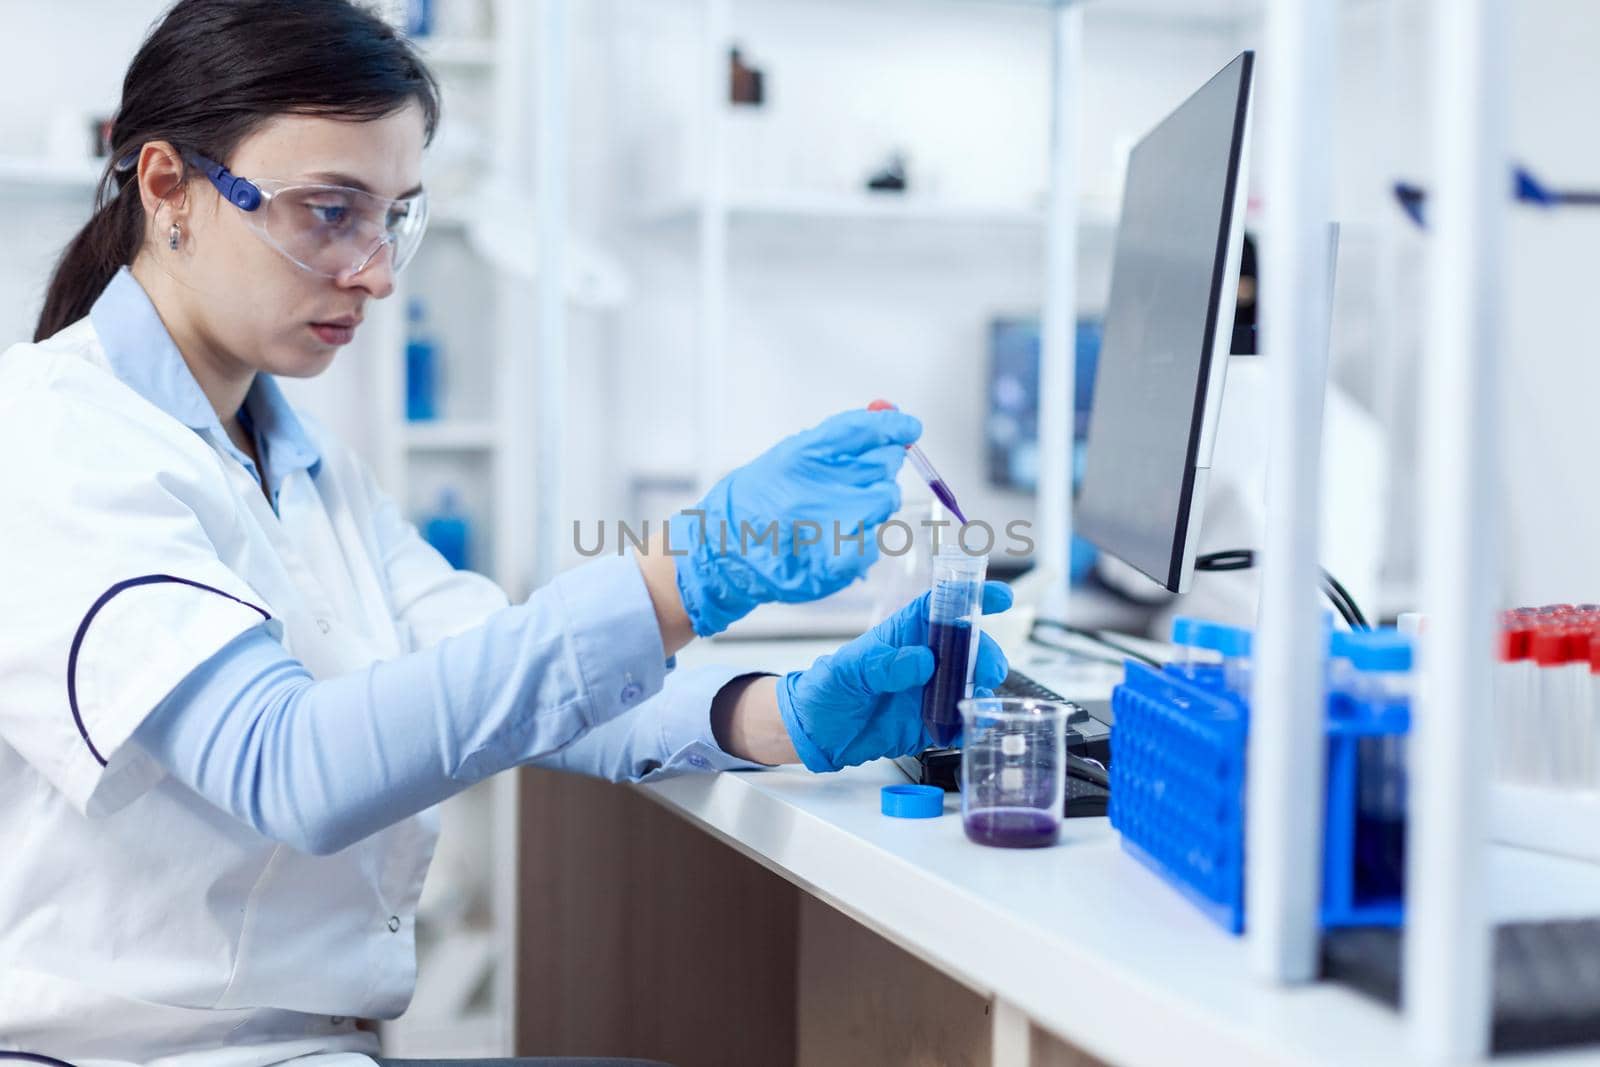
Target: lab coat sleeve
x,y
668,734
430,599
112,589
320,764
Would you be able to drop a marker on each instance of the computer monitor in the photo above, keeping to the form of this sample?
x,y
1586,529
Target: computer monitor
x,y
1167,328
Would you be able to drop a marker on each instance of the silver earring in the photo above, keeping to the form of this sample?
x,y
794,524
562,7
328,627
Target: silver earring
x,y
172,237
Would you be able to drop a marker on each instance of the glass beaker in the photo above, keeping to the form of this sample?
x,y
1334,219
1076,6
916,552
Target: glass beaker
x,y
1013,770
954,610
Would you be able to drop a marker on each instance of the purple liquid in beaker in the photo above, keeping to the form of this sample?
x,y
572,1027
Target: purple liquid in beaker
x,y
951,643
1012,827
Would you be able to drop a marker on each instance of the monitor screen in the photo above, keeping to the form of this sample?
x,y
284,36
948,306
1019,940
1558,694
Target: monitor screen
x,y
1011,425
1167,330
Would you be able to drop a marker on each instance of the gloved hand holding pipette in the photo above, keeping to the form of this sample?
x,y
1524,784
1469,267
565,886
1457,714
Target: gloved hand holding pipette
x,y
839,474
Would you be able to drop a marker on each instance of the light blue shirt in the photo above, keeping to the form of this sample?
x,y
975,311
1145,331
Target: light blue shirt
x,y
320,764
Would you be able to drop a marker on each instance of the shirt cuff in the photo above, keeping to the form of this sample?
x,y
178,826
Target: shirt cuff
x,y
687,738
615,638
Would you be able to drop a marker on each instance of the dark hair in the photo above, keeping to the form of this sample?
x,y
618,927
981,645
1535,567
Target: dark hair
x,y
208,75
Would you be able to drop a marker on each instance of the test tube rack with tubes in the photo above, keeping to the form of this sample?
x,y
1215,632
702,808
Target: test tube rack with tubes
x,y
1547,730
1178,765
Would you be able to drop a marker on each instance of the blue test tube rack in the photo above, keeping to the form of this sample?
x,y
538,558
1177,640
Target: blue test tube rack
x,y
1177,792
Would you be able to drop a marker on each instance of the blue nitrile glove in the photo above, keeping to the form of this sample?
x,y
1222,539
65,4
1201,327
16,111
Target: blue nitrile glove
x,y
767,531
864,701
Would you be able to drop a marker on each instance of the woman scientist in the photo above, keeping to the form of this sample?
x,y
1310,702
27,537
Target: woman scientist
x,y
233,679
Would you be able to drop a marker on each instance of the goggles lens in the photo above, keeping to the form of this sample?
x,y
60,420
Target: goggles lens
x,y
334,230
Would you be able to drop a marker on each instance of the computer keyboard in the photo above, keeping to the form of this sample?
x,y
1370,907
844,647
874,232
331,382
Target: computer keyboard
x,y
1024,687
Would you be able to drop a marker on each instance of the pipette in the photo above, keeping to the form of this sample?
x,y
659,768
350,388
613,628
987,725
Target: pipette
x,y
940,487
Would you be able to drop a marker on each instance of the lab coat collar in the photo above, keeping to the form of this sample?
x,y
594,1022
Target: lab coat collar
x,y
143,357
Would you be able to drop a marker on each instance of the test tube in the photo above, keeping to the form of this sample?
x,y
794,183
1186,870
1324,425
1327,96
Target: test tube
x,y
1512,701
1380,683
1552,647
954,610
1193,659
1234,644
1580,761
1594,710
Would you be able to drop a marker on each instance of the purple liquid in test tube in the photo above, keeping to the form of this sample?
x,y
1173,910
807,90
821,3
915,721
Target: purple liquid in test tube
x,y
952,644
953,613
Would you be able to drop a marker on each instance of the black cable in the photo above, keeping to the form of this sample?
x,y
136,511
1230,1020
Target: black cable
x,y
1078,652
1343,609
1239,559
1099,637
1234,559
1348,599
35,1057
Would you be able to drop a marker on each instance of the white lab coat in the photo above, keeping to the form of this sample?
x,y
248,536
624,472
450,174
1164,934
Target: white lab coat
x,y
158,911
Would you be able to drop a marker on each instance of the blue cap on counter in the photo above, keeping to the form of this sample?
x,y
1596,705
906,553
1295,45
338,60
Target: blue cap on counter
x,y
913,801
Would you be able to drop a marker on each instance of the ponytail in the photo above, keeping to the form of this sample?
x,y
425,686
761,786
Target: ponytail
x,y
107,242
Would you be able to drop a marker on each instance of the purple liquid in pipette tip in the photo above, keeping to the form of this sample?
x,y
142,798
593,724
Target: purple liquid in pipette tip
x,y
947,498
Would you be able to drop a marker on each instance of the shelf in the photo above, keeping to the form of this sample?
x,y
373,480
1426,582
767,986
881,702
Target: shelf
x,y
1562,822
74,175
1094,211
1205,11
462,52
1214,11
450,436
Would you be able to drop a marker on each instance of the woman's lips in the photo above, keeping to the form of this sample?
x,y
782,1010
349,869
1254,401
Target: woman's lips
x,y
330,333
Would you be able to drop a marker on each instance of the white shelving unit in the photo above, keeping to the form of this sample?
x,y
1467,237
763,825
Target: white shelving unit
x,y
720,213
451,436
493,447
804,208
54,175
448,54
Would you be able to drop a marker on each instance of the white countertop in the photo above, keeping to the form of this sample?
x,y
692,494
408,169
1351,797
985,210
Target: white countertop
x,y
1080,937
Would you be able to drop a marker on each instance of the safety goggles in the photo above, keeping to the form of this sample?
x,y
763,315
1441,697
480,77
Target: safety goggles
x,y
331,230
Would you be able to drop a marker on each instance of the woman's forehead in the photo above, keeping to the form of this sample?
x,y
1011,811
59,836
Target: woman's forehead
x,y
382,155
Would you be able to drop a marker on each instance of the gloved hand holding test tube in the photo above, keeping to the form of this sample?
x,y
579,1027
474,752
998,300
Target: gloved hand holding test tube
x,y
914,453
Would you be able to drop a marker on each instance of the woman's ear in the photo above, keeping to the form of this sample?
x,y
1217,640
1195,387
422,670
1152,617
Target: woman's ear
x,y
161,183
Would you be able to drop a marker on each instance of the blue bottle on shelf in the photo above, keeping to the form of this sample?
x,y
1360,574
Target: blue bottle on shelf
x,y
419,18
448,531
422,366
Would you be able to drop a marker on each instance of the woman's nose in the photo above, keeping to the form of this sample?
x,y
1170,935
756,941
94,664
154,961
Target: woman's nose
x,y
376,275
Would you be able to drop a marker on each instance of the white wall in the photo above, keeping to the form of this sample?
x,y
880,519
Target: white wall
x,y
1552,376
